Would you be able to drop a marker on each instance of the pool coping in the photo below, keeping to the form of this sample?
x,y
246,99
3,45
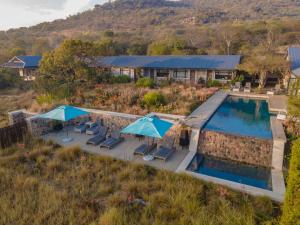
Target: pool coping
x,y
279,139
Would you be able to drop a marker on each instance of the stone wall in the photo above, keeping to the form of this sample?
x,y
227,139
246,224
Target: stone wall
x,y
18,116
242,149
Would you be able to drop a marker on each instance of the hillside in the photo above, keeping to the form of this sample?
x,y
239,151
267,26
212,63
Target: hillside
x,y
136,15
132,21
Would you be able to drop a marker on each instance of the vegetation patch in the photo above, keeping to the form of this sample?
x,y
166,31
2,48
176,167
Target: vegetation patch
x,y
37,182
291,207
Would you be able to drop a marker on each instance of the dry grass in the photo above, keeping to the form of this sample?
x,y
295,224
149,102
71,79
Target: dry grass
x,y
47,185
128,98
13,100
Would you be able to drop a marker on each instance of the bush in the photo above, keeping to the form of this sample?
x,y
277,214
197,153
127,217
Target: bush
x,y
145,82
213,83
240,78
154,99
120,79
291,206
45,99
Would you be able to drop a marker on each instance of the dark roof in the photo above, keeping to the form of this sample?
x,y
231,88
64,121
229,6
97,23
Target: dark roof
x,y
294,57
226,62
19,62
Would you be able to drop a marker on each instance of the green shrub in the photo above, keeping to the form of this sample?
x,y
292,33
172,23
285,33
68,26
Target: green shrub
x,y
120,79
45,99
154,99
145,82
240,78
291,206
213,83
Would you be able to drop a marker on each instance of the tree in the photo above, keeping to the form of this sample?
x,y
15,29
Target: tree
x,y
263,63
62,68
137,49
107,47
159,48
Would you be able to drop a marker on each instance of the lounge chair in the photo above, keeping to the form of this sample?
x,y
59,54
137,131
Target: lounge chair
x,y
99,138
281,116
236,87
93,129
81,128
275,91
144,149
163,153
111,142
247,88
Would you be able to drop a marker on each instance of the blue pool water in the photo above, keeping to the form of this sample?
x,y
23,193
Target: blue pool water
x,y
241,173
242,116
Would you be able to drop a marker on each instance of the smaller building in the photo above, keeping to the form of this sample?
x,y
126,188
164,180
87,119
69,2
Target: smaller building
x,y
293,81
26,65
188,69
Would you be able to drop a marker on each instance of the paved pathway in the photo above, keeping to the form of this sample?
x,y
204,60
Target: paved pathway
x,y
278,103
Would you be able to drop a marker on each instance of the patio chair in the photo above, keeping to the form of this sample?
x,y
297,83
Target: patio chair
x,y
111,142
164,152
144,149
247,88
93,129
236,87
99,138
80,128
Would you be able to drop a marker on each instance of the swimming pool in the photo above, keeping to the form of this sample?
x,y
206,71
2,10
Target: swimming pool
x,y
228,170
242,116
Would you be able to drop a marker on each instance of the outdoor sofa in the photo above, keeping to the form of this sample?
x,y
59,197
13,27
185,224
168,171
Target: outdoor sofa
x,y
99,138
111,142
144,149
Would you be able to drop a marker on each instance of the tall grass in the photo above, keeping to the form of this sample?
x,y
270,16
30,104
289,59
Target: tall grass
x,y
49,185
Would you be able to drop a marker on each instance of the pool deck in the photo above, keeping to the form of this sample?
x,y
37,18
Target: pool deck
x,y
277,103
123,151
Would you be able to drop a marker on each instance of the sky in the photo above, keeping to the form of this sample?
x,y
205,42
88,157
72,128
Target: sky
x,y
20,13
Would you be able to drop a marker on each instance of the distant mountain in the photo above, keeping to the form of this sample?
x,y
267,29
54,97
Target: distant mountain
x,y
153,19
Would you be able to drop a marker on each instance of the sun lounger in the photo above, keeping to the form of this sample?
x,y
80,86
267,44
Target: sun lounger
x,y
111,142
237,87
99,138
163,153
275,91
247,88
144,149
93,129
81,128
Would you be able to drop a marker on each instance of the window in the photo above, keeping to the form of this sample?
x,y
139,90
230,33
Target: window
x,y
180,74
125,71
162,73
222,75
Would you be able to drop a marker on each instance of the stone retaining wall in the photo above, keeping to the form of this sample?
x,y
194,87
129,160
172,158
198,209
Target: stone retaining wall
x,y
242,149
114,121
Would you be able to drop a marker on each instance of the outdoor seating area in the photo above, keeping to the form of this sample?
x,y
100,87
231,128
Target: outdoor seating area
x,y
149,140
124,150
